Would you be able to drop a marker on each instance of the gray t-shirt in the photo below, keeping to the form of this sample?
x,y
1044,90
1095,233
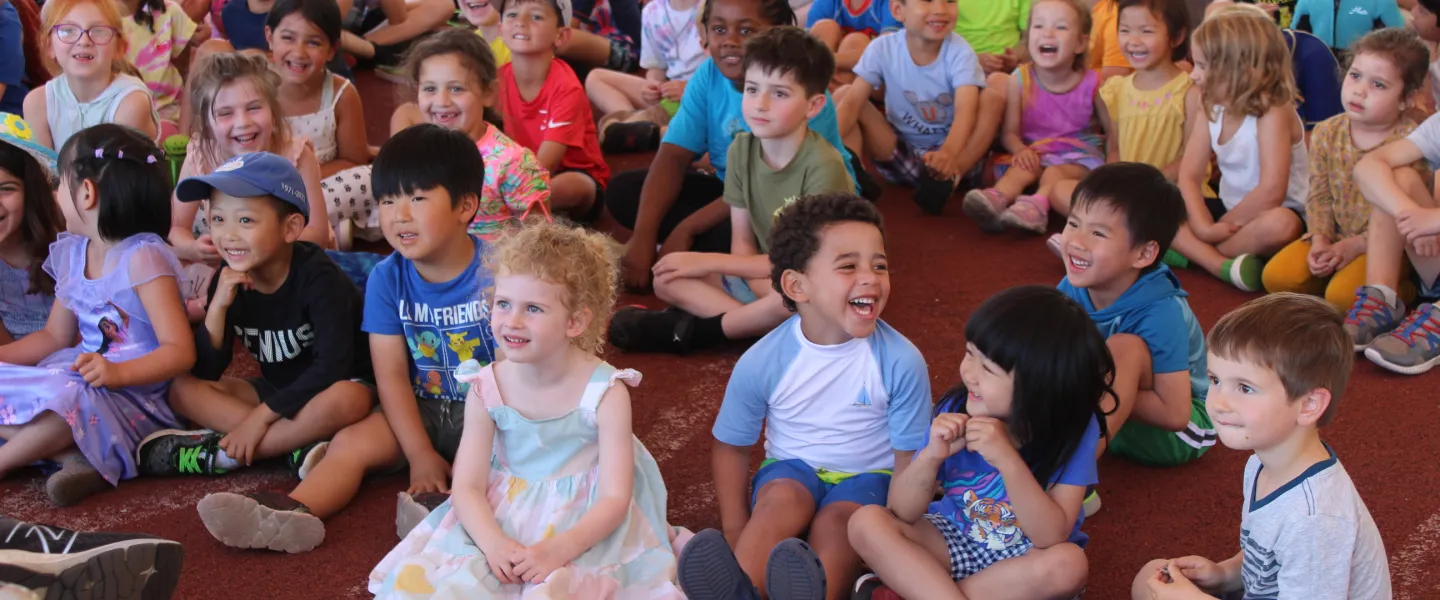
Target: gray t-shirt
x,y
920,100
1311,539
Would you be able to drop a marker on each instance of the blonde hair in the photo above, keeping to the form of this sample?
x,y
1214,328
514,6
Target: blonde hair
x,y
1248,70
212,74
1085,21
566,255
56,10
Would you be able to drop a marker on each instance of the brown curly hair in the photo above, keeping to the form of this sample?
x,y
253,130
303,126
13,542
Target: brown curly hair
x,y
1402,48
1249,63
567,255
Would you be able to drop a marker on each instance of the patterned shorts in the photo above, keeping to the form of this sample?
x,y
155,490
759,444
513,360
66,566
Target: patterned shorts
x,y
905,166
967,556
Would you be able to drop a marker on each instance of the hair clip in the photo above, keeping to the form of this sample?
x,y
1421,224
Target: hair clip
x,y
99,153
150,160
119,154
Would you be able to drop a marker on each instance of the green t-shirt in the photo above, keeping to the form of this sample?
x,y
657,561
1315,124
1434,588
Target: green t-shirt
x,y
991,26
751,184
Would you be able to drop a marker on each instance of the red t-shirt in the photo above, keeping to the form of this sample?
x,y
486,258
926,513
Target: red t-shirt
x,y
559,113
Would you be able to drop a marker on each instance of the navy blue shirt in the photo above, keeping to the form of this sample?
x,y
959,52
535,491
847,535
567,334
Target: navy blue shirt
x,y
245,29
12,60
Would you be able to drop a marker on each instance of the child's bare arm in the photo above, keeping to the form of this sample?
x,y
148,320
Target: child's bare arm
x,y
1194,169
913,485
848,112
967,111
1048,516
1375,175
1173,411
1275,129
1010,131
1192,108
317,229
472,478
175,353
349,134
391,359
731,465
59,333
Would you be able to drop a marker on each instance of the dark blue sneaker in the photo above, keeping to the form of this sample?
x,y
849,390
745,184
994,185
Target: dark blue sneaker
x,y
794,572
74,564
708,570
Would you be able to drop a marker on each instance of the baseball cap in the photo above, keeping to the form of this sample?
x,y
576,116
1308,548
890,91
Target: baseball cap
x,y
247,176
567,11
16,132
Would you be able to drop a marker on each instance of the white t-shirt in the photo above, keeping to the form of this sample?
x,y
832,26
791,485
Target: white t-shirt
x,y
670,40
1311,539
845,408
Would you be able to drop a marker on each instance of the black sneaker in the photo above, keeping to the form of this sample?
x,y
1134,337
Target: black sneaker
x,y
411,510
263,520
637,136
175,452
72,564
869,188
932,194
306,457
707,570
643,330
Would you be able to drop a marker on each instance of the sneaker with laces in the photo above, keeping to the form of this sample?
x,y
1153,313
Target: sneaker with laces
x,y
1243,272
64,563
1092,502
175,452
411,510
263,520
1413,347
635,329
1028,213
304,458
984,207
1371,317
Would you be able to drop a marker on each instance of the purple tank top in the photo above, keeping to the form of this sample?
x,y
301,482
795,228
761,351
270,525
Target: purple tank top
x,y
1045,115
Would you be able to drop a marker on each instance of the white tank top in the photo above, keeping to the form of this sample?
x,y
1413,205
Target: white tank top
x,y
1239,161
66,115
320,126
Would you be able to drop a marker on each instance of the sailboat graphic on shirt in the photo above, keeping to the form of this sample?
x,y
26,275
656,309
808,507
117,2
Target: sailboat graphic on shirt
x,y
864,399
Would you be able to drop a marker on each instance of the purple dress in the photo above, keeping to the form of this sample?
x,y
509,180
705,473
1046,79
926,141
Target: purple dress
x,y
1060,127
106,423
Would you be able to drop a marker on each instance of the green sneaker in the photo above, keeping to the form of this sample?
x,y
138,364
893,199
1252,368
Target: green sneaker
x,y
304,458
1243,272
175,452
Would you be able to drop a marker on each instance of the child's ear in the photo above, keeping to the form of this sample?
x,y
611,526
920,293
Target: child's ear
x,y
294,224
1313,406
897,9
467,206
795,286
817,104
1149,254
564,36
579,322
87,197
269,37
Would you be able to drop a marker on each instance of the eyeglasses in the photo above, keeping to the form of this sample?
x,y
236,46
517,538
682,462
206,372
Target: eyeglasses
x,y
70,34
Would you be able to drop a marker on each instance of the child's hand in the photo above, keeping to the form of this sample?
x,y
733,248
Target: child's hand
x,y
635,266
1321,258
1428,246
945,164
97,371
1216,233
651,93
429,473
241,443
676,265
1027,159
1170,583
947,435
231,282
1346,251
673,90
1416,223
201,250
1199,571
989,437
537,562
501,559
992,63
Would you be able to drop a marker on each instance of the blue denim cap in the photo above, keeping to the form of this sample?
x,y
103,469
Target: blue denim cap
x,y
248,176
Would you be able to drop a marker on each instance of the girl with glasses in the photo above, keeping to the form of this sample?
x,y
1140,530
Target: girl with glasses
x,y
84,41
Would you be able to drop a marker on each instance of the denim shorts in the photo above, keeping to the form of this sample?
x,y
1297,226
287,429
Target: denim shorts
x,y
861,488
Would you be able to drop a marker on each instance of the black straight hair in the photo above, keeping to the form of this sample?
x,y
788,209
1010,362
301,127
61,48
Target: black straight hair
x,y
323,14
407,163
775,12
1176,17
130,177
1152,207
42,220
1061,368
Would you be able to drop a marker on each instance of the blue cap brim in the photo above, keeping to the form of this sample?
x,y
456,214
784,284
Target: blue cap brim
x,y
195,189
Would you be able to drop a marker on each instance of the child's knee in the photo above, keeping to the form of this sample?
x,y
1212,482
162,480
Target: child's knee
x,y
779,494
347,403
1289,270
1068,570
866,523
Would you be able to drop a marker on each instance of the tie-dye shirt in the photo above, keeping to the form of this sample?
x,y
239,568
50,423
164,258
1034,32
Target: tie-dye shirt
x,y
515,184
153,53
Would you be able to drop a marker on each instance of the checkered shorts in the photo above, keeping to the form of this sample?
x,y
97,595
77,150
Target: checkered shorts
x,y
905,166
967,556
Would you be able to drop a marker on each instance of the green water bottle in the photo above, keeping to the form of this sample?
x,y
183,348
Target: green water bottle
x,y
174,147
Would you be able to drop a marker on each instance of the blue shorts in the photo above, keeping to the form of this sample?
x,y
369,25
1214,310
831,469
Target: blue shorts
x,y
862,488
738,288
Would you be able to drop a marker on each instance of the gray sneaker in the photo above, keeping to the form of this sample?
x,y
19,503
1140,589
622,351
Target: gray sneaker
x,y
1371,317
75,564
1413,347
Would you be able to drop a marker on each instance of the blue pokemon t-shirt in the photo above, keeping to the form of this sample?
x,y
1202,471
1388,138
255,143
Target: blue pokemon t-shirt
x,y
444,323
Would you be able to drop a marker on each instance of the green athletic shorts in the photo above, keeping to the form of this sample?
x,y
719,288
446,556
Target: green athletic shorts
x,y
1159,448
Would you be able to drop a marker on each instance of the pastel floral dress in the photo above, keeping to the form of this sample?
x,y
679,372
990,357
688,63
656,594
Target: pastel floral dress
x,y
545,475
106,423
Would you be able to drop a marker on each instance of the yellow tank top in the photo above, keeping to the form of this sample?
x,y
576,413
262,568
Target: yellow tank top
x,y
1150,124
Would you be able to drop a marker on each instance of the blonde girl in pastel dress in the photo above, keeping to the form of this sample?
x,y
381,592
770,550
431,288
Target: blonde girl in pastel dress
x,y
569,504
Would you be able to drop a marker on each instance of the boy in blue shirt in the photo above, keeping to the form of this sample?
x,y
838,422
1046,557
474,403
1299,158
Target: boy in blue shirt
x,y
847,27
1124,218
844,400
425,316
673,205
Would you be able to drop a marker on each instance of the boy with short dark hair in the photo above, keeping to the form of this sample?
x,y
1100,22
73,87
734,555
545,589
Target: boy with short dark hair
x,y
725,296
545,106
1278,367
294,310
844,400
1124,217
425,316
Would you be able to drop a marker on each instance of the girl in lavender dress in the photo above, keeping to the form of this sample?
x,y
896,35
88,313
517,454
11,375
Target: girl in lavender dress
x,y
571,505
116,286
29,222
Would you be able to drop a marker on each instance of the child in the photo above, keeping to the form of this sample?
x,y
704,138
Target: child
x,y
1387,69
85,43
545,106
295,312
321,106
843,399
236,108
1423,21
635,110
672,205
1108,53
848,26
1150,108
1125,216
994,30
1340,23
1248,104
87,405
160,37
423,319
725,296
243,22
1278,367
31,222
454,75
932,82
1050,119
569,504
1013,447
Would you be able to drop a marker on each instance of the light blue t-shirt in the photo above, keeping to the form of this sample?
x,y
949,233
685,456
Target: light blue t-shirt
x,y
920,101
709,118
444,323
844,408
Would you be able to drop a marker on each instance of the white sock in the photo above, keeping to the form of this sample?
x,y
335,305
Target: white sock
x,y
1389,295
224,461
